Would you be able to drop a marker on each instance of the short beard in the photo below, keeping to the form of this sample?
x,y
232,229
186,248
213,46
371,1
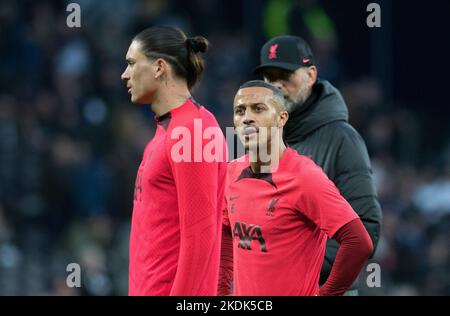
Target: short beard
x,y
296,102
293,105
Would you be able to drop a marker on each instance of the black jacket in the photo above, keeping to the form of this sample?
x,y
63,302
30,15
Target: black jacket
x,y
320,129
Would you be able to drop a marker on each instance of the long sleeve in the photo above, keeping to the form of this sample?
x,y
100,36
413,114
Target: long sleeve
x,y
355,248
199,192
226,262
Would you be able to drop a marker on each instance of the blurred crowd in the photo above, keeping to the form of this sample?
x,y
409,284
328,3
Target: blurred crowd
x,y
71,141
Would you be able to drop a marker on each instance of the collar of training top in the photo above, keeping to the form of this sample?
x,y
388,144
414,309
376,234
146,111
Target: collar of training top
x,y
247,173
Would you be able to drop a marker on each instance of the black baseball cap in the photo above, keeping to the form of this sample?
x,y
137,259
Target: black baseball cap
x,y
286,52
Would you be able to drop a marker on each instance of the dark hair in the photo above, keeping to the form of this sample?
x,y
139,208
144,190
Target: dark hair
x,y
277,93
181,52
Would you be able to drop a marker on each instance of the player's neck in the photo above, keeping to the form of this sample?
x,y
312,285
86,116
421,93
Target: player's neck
x,y
172,95
262,165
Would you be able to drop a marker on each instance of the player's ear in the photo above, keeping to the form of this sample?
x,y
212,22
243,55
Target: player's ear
x,y
283,118
312,75
160,68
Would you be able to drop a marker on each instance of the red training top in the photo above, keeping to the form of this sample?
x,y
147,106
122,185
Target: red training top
x,y
280,222
176,224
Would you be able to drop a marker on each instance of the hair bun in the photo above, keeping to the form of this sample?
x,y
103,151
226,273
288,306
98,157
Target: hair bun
x,y
197,44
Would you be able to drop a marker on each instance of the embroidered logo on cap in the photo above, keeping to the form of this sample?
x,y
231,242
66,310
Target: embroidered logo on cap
x,y
273,51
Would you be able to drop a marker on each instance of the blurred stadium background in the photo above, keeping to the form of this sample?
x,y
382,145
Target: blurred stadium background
x,y
71,141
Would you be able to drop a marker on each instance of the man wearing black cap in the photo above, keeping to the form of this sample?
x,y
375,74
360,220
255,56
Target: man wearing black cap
x,y
318,127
